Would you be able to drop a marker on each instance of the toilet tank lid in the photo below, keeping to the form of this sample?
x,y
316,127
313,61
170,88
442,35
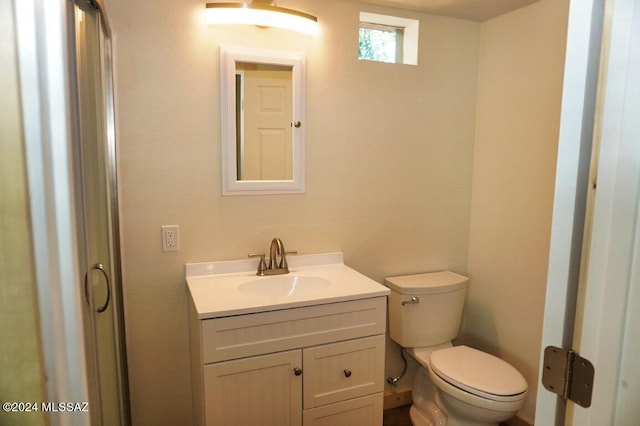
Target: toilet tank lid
x,y
477,371
427,283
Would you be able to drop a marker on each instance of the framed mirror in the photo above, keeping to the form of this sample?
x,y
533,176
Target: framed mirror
x,y
262,119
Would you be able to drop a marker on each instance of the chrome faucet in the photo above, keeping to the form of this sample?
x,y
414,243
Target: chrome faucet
x,y
274,267
276,249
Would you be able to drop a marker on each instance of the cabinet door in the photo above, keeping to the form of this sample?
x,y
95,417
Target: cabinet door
x,y
344,370
364,411
255,391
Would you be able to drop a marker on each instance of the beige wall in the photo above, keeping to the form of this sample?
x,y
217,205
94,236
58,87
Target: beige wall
x,y
389,163
519,93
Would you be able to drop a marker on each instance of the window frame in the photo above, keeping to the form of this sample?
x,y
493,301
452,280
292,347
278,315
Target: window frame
x,y
407,46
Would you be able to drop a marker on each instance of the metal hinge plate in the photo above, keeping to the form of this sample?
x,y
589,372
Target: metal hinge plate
x,y
568,375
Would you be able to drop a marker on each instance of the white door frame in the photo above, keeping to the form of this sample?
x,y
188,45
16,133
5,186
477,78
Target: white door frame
x,y
616,179
607,299
572,173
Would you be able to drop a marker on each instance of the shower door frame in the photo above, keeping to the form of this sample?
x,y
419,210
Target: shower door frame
x,y
115,306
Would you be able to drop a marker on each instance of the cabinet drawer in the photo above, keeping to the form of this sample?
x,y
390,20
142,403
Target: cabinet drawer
x,y
344,370
265,332
365,411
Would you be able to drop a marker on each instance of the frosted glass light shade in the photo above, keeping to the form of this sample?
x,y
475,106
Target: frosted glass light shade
x,y
262,15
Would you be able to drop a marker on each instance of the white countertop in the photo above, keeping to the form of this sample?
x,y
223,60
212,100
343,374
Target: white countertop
x,y
214,285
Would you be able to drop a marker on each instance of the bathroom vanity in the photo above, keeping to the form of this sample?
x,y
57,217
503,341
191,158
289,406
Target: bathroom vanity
x,y
306,348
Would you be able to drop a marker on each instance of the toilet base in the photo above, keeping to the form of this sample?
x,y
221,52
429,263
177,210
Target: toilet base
x,y
457,420
418,418
437,417
433,408
424,411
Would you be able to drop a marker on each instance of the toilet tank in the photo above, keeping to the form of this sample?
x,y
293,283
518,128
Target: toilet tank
x,y
425,309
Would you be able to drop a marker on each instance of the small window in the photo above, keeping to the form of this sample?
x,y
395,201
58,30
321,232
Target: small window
x,y
386,38
382,43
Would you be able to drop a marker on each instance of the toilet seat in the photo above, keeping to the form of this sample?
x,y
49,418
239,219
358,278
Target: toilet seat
x,y
478,373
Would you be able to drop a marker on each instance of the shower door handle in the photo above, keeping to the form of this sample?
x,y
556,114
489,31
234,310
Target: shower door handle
x,y
105,305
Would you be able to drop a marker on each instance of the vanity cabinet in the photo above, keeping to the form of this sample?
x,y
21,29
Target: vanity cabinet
x,y
260,390
313,365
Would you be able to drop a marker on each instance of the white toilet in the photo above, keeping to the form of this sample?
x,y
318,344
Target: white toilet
x,y
455,385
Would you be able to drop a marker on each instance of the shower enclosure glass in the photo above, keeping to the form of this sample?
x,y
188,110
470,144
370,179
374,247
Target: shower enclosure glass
x,y
97,216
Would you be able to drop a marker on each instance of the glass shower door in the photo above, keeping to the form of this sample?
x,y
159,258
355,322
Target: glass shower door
x,y
97,220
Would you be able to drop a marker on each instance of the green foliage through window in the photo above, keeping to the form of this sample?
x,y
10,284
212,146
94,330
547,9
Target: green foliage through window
x,y
380,43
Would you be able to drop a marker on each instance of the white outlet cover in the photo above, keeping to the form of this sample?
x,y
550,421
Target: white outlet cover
x,y
170,239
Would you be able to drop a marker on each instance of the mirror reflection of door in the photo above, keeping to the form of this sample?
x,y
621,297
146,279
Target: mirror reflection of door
x,y
263,117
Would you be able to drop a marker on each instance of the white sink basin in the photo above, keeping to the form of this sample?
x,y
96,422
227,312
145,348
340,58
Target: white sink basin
x,y
284,285
230,287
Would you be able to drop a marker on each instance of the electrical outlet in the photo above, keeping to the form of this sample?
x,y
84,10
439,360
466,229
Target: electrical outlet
x,y
170,238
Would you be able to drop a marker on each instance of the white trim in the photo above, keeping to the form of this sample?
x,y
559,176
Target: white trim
x,y
612,271
230,184
574,152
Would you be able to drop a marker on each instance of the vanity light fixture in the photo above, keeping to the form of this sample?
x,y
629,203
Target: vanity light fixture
x,y
261,13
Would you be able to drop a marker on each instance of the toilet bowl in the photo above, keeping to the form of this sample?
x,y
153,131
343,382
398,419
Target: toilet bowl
x,y
476,386
455,385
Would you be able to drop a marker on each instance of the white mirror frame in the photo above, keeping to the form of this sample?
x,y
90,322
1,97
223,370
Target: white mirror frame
x,y
230,183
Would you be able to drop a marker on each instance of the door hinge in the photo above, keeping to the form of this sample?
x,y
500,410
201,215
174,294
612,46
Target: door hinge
x,y
568,374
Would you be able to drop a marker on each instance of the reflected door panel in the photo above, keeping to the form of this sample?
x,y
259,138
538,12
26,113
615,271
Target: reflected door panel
x,y
266,145
263,121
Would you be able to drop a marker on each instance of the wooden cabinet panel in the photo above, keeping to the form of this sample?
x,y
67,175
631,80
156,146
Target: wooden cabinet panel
x,y
339,371
265,332
257,391
364,411
244,367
